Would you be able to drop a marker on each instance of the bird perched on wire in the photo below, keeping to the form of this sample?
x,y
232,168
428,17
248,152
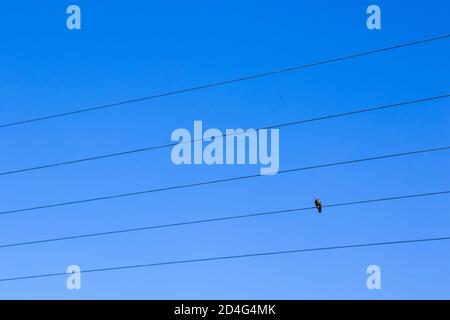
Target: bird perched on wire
x,y
318,204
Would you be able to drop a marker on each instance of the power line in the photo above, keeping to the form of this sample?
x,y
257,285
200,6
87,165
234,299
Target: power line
x,y
197,184
220,219
242,256
226,82
169,145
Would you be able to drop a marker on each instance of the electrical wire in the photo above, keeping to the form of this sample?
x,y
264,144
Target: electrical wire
x,y
210,182
280,125
226,82
220,219
241,256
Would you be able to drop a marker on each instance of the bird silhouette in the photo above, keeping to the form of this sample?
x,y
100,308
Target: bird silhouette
x,y
318,204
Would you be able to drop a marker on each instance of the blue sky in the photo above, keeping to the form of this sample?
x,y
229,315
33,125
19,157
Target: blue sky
x,y
139,48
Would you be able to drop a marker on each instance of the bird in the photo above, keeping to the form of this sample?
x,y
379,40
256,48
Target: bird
x,y
318,204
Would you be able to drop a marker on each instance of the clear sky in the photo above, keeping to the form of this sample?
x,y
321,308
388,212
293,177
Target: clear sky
x,y
131,49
